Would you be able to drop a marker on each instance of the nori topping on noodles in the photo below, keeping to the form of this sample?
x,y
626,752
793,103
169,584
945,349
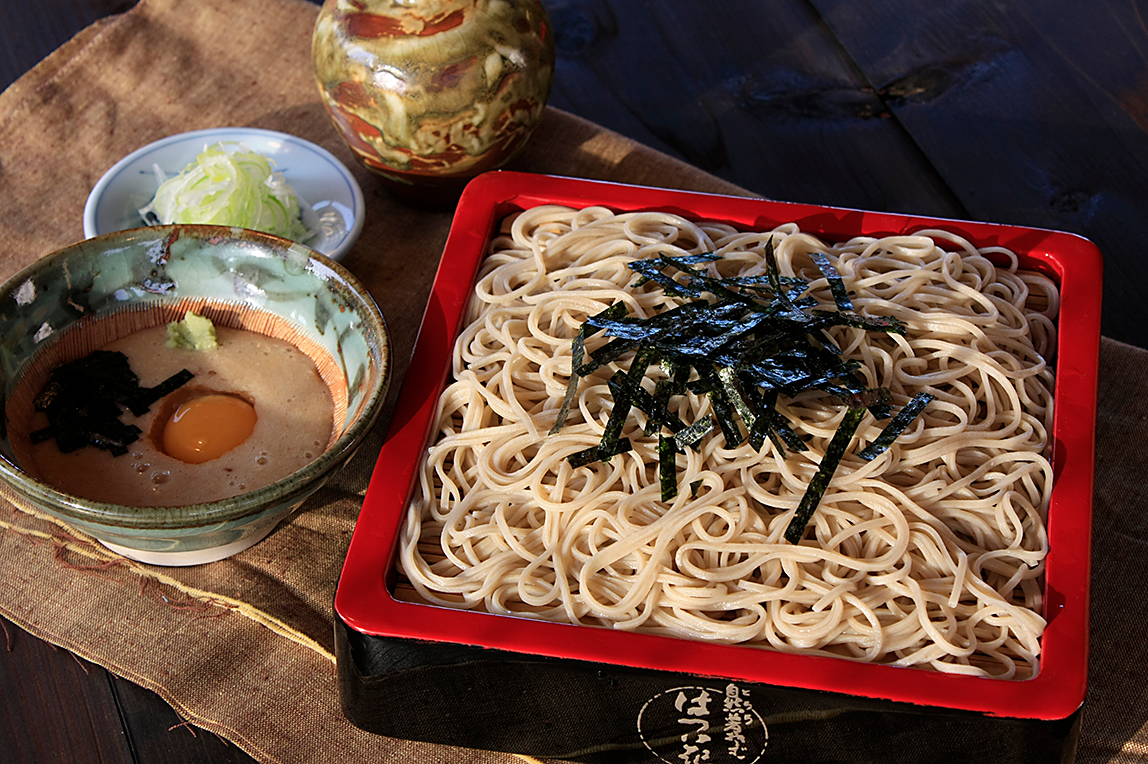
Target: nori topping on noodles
x,y
816,489
651,405
667,467
723,408
741,341
579,352
836,284
598,453
896,426
771,424
692,435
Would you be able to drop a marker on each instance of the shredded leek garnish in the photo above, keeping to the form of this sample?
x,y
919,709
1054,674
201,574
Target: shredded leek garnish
x,y
229,184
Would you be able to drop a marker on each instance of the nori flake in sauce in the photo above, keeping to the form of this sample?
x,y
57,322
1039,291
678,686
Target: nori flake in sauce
x,y
84,399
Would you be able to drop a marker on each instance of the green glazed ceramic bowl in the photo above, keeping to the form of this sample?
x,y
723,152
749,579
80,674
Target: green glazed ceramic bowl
x,y
242,272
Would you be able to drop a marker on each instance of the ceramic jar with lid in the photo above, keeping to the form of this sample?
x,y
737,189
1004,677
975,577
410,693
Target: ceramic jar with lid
x,y
430,93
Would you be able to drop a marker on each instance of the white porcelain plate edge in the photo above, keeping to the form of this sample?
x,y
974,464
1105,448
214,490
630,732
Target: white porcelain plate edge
x,y
318,177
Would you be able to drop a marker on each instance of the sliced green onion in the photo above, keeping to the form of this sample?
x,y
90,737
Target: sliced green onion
x,y
229,184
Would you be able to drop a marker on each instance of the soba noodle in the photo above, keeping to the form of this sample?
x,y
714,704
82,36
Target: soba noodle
x,y
930,555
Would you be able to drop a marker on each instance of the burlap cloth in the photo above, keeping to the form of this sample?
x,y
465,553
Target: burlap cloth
x,y
243,647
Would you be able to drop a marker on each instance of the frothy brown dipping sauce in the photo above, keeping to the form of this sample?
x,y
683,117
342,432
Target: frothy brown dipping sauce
x,y
294,426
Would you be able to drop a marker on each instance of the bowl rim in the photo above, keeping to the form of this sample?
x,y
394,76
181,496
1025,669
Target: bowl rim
x,y
288,488
364,599
106,181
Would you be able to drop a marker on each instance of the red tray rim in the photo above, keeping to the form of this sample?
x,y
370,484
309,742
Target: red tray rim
x,y
363,600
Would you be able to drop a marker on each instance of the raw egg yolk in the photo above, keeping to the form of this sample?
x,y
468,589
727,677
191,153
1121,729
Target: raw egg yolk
x,y
207,427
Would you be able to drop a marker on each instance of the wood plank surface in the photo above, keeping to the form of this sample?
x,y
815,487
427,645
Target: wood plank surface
x,y
158,734
55,706
760,94
29,31
1035,113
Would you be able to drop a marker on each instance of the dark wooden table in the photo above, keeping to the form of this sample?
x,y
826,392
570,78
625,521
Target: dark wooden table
x,y
1032,112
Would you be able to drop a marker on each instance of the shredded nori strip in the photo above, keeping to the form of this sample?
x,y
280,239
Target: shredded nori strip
x,y
143,400
896,426
836,284
578,352
723,409
880,407
858,321
598,454
689,437
625,384
816,488
659,415
741,341
655,409
83,402
761,430
667,467
783,297
772,424
727,375
606,354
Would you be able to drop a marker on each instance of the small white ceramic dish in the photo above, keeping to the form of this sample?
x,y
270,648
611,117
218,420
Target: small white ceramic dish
x,y
333,199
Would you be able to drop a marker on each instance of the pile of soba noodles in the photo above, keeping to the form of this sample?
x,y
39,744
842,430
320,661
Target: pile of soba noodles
x,y
930,555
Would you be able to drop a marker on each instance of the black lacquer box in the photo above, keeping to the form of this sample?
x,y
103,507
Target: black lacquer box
x,y
552,690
